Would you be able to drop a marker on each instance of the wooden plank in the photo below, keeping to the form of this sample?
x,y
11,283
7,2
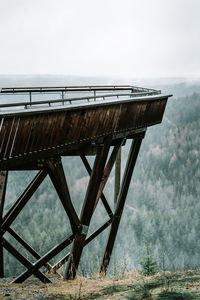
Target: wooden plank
x,y
5,133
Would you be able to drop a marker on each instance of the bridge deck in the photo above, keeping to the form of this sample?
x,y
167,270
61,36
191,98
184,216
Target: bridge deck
x,y
32,126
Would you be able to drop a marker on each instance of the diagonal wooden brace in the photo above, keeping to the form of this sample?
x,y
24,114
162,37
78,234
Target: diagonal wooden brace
x,y
88,207
87,241
22,200
108,170
44,259
24,261
57,176
133,153
105,176
28,248
103,198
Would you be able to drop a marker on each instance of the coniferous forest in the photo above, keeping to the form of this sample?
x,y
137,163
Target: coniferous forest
x,y
162,212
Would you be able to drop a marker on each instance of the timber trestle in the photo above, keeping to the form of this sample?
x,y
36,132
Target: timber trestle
x,y
37,137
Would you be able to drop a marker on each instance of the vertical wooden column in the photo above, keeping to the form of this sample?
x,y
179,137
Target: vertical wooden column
x,y
88,208
3,182
117,175
133,153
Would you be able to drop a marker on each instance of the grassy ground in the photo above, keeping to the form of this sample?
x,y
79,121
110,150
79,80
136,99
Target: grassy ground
x,y
133,286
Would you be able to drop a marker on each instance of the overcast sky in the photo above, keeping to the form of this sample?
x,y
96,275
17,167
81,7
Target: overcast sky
x,y
133,38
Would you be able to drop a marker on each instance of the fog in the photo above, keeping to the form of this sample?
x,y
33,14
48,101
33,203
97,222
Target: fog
x,y
139,38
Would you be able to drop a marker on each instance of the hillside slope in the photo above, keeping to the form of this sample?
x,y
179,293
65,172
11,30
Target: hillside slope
x,y
163,286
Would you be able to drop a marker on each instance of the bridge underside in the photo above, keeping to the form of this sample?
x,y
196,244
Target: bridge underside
x,y
37,141
99,174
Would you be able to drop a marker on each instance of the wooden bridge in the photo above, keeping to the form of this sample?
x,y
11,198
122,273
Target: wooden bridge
x,y
39,125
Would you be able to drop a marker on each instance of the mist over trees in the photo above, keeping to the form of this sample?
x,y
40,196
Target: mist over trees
x,y
162,208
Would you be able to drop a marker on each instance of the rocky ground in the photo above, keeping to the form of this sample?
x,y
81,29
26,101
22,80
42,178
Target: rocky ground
x,y
167,285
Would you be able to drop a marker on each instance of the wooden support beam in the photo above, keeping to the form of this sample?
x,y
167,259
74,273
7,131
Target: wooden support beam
x,y
3,183
108,170
24,261
22,200
87,241
57,176
103,198
88,208
98,231
28,248
117,176
106,174
98,179
44,259
103,182
133,153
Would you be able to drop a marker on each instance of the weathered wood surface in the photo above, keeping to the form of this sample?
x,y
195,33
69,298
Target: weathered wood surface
x,y
26,135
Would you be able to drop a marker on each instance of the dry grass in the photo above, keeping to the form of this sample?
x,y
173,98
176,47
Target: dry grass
x,y
168,285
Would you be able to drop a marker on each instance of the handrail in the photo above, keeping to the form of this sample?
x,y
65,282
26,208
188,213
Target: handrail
x,y
69,86
70,100
13,90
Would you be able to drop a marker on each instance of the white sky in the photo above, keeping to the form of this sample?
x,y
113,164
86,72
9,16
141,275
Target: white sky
x,y
133,38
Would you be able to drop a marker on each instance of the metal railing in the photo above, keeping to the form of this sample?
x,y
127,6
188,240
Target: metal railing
x,y
73,88
125,91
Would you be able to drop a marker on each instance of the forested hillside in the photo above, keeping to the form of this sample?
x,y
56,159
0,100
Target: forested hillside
x,y
163,207
165,189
